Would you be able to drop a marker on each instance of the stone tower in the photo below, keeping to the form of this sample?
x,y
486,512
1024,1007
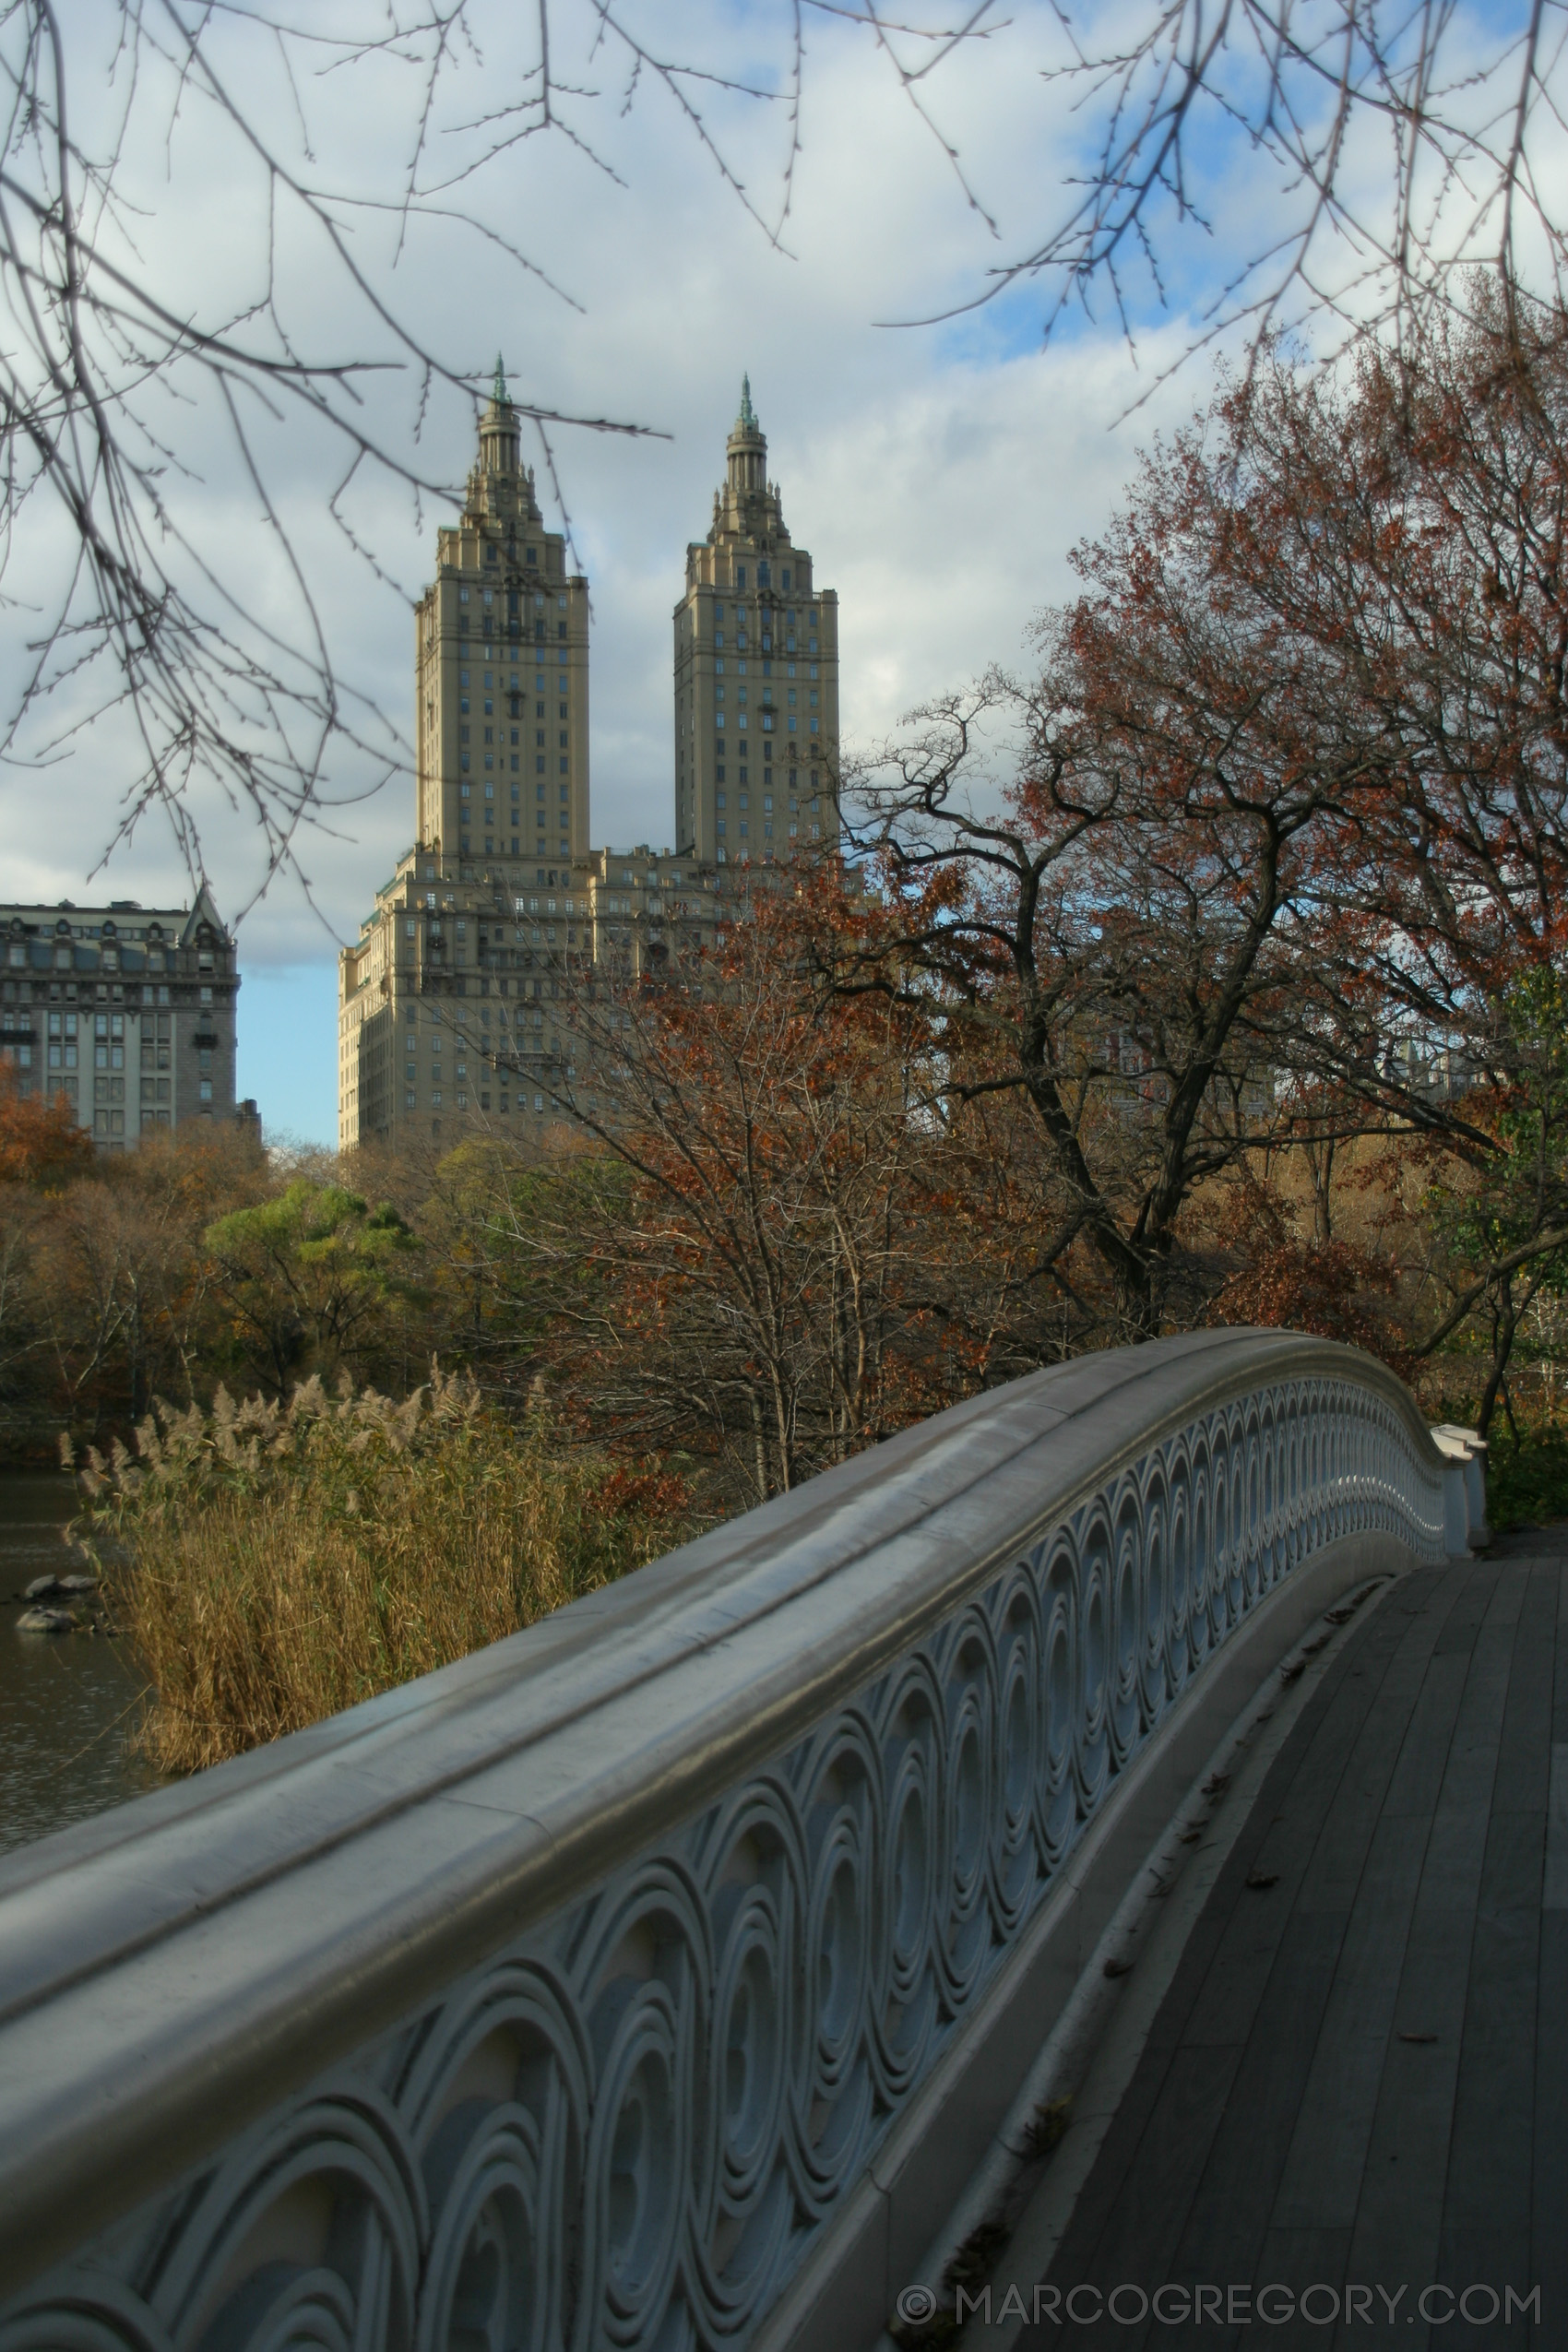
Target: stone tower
x,y
757,677
502,673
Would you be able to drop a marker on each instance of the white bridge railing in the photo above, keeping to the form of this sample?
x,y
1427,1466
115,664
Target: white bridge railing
x,y
563,1999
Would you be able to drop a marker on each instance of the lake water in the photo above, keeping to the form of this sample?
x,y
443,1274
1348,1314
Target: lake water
x,y
68,1702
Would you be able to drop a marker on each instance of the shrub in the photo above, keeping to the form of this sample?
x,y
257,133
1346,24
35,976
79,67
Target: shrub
x,y
1528,1482
273,1564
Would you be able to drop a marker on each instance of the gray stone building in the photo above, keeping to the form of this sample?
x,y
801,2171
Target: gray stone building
x,y
126,1011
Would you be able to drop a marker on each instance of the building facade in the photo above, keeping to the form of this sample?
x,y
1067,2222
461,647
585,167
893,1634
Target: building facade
x,y
757,677
126,1011
452,1001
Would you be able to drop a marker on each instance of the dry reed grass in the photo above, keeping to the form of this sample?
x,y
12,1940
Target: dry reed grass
x,y
272,1564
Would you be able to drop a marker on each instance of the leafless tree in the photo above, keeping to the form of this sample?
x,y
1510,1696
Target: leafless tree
x,y
1384,151
134,374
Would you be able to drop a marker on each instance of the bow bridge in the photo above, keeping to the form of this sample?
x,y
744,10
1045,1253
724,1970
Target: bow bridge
x,y
731,1960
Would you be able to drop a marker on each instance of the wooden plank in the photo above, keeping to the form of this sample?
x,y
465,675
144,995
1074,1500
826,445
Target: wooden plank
x,y
1523,1756
1400,2214
1560,1684
1418,1777
1296,2260
1549,2199
1486,2216
1145,2177
1321,2181
1224,2234
1469,1611
1279,2124
1132,2233
1549,2186
1335,1873
1488,2208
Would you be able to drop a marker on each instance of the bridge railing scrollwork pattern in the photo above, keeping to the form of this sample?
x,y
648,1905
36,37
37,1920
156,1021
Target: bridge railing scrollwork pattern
x,y
628,2128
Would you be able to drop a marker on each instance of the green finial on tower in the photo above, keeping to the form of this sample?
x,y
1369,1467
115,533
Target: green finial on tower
x,y
748,414
498,389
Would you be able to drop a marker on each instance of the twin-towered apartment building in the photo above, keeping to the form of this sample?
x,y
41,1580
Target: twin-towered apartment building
x,y
451,1001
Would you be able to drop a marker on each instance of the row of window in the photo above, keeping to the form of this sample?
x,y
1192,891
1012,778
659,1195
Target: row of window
x,y
63,1024
489,681
110,958
722,853
718,800
743,644
464,792
563,765
767,728
530,558
107,1089
563,709
790,670
563,739
513,595
410,1102
742,774
765,576
535,849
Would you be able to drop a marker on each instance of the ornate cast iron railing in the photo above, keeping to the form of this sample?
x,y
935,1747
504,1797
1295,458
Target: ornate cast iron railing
x,y
554,2001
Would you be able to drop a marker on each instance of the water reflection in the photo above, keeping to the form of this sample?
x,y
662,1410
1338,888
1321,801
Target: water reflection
x,y
67,1702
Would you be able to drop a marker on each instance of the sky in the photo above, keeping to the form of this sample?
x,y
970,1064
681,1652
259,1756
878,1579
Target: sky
x,y
939,473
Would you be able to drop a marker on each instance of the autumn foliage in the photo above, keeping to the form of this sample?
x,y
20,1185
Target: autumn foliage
x,y
39,1140
1280,851
1214,972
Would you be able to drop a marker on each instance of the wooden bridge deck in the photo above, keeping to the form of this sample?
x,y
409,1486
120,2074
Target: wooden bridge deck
x,y
1357,2081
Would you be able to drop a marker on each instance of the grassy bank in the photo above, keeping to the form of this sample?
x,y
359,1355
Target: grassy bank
x,y
273,1565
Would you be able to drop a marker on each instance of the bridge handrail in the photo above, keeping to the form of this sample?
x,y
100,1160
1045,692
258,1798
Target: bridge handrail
x,y
597,1843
